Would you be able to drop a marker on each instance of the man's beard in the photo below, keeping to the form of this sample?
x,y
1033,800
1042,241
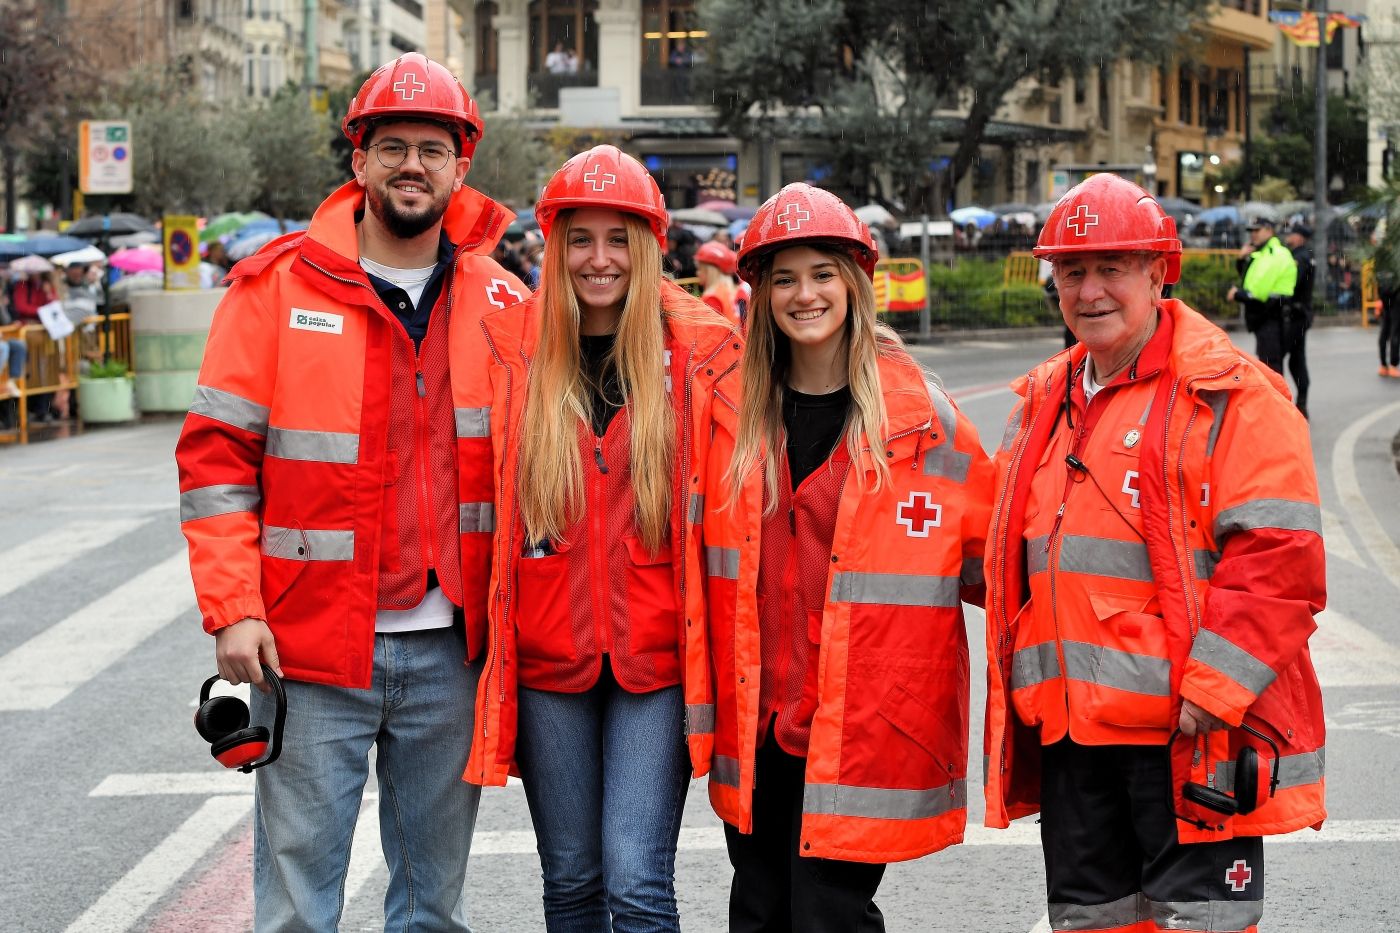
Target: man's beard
x,y
401,224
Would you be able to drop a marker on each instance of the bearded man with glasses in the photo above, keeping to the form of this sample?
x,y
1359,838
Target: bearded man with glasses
x,y
335,490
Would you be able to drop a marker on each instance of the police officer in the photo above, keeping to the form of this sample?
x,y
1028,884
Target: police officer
x,y
1300,312
1269,276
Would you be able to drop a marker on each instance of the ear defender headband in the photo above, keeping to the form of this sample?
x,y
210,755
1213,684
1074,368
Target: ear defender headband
x,y
222,721
1254,779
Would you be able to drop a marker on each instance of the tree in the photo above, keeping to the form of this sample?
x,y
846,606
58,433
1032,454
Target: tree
x,y
291,161
188,156
1285,150
511,161
873,78
42,64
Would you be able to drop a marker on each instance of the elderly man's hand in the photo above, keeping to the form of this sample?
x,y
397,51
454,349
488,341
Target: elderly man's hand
x,y
1195,720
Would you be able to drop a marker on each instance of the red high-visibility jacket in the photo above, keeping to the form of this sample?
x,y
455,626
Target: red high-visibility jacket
x,y
704,354
887,754
316,471
1230,514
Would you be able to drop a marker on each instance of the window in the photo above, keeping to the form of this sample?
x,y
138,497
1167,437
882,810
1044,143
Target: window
x,y
1105,111
1336,49
672,34
1183,94
1203,93
486,44
565,26
412,7
265,72
249,65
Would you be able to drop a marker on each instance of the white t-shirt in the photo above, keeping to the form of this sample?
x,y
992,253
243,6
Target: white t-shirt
x,y
412,281
1091,388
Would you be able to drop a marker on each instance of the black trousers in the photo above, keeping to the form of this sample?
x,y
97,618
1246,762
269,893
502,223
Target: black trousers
x,y
1112,857
775,890
1390,332
1295,338
1268,343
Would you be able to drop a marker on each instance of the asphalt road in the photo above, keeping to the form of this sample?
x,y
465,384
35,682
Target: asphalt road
x,y
116,819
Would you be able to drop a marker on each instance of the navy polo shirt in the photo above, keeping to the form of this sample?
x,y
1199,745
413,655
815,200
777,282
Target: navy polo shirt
x,y
415,319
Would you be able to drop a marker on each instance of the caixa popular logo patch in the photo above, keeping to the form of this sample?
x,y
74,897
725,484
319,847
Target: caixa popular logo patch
x,y
319,321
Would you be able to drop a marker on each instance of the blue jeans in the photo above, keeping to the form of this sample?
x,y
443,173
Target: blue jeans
x,y
14,353
418,712
605,774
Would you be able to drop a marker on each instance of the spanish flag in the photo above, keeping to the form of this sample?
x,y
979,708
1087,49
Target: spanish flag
x,y
1301,28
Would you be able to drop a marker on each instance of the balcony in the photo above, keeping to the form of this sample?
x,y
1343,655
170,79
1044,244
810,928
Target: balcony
x,y
544,86
673,87
1238,27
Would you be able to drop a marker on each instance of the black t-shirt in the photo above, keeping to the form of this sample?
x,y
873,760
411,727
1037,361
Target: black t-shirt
x,y
604,387
814,426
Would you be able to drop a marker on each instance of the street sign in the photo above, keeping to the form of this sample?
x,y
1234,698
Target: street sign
x,y
104,157
181,235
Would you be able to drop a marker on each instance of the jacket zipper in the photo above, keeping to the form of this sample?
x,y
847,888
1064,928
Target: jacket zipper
x,y
1186,565
597,553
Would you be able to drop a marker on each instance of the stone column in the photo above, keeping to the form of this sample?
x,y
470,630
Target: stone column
x,y
512,55
619,25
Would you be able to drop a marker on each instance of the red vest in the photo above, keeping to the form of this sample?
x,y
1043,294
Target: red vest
x,y
792,570
600,591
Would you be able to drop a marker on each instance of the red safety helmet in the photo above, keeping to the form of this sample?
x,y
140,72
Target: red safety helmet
x,y
604,176
799,213
718,255
414,86
1109,214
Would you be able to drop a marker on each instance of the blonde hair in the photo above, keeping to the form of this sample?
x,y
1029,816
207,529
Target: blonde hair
x,y
558,400
768,357
714,280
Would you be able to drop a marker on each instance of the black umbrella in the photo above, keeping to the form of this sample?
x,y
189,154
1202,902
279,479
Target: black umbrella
x,y
91,228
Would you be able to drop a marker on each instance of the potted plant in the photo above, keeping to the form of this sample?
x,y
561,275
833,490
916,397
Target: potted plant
x,y
106,393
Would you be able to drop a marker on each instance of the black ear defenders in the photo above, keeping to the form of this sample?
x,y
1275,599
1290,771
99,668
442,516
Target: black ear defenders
x,y
1254,781
223,722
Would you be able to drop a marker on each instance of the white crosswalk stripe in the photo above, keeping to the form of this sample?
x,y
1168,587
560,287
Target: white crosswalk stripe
x,y
32,559
63,657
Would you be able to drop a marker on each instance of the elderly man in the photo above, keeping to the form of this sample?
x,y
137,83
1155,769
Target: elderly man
x,y
335,490
1270,275
1153,569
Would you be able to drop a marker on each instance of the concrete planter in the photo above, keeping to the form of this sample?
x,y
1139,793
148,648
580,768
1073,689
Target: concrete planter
x,y
168,331
106,401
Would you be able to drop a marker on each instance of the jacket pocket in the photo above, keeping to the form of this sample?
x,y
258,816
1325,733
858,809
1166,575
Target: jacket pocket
x,y
1033,664
926,727
651,599
543,628
1126,677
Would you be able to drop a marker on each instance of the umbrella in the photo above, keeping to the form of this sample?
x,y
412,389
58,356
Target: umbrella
x,y
1252,209
29,265
1042,211
715,204
137,259
874,214
246,246
972,215
1225,213
1012,207
128,240
42,244
700,216
84,256
92,228
227,224
737,228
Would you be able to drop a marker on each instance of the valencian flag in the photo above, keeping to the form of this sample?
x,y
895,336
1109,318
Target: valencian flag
x,y
1301,28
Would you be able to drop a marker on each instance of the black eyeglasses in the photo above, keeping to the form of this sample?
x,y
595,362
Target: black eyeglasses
x,y
432,156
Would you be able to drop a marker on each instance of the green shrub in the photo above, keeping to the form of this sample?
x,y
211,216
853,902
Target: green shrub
x,y
110,369
1203,286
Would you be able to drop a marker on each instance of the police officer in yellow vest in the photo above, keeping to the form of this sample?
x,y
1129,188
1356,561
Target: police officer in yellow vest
x,y
1270,275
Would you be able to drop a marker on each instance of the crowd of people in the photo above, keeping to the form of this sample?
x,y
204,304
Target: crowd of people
x,y
22,294
671,539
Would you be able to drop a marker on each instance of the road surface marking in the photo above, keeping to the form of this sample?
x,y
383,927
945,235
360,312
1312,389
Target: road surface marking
x,y
54,663
125,902
1363,518
1381,716
1334,535
49,551
1347,654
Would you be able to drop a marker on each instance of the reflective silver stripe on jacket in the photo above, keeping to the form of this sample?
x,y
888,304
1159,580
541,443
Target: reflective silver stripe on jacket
x,y
296,544
1120,913
943,460
1216,400
1212,916
724,770
699,718
1108,667
313,446
1205,562
1284,514
231,409
882,803
1223,655
1013,426
1293,770
722,562
1034,665
1105,557
895,589
476,516
1037,557
473,422
697,508
208,501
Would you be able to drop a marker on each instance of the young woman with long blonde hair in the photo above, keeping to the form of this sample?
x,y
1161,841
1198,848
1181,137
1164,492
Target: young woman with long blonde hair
x,y
845,527
715,265
604,383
